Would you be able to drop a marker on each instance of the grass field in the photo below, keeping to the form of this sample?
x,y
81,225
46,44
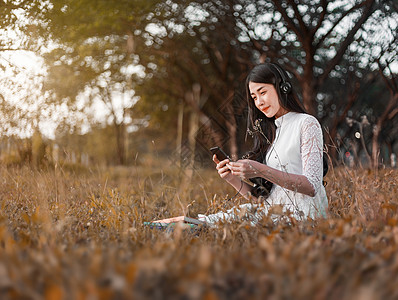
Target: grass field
x,y
78,234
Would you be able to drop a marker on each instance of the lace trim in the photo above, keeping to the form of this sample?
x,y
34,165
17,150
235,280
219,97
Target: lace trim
x,y
311,152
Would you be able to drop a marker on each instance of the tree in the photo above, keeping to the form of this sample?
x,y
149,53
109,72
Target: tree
x,y
94,54
312,37
319,42
20,90
379,53
14,22
191,50
390,111
212,44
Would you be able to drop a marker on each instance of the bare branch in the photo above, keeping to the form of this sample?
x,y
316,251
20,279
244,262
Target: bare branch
x,y
389,83
392,114
292,70
393,82
368,10
351,10
289,21
210,51
303,27
321,18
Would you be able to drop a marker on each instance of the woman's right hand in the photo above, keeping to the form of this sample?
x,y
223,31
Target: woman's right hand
x,y
223,170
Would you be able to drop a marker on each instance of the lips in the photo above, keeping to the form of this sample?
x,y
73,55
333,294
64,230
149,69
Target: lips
x,y
265,109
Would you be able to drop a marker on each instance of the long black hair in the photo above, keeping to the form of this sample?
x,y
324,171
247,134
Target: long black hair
x,y
263,132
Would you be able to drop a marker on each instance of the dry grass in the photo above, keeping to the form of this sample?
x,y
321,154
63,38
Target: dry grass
x,y
68,235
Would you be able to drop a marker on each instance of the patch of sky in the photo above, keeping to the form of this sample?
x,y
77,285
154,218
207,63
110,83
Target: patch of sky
x,y
156,30
195,14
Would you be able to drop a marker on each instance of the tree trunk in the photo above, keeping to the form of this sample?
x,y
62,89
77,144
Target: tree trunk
x,y
232,130
193,130
180,124
379,125
375,144
308,93
308,84
214,136
339,119
192,133
120,134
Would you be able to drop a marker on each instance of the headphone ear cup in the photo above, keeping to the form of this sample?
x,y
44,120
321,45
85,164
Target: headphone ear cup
x,y
285,87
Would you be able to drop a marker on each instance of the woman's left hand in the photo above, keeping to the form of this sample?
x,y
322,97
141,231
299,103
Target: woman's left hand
x,y
246,168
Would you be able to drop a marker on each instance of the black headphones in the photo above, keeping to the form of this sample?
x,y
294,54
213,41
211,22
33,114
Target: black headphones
x,y
285,87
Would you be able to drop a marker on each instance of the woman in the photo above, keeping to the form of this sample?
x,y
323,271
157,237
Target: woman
x,y
287,152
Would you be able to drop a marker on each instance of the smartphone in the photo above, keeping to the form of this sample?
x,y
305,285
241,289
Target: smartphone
x,y
221,155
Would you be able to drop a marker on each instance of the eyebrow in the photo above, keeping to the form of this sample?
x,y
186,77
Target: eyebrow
x,y
261,87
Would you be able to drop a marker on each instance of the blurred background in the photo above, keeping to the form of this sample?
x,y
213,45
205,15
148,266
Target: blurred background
x,y
106,82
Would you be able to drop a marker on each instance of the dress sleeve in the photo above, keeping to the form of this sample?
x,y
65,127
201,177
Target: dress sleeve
x,y
311,152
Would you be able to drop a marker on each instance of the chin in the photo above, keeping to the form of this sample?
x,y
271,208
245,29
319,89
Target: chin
x,y
269,115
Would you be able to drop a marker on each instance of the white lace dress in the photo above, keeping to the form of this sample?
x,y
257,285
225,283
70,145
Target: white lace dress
x,y
297,149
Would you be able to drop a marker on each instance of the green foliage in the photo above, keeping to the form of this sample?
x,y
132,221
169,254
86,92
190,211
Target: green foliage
x,y
328,46
94,46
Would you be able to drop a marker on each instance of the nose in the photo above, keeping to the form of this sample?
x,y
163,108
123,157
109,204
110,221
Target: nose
x,y
260,102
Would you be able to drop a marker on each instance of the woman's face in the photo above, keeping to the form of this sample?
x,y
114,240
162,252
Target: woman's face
x,y
266,99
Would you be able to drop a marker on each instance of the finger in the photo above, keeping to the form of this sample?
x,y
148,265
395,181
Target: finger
x,y
236,172
234,164
224,171
231,163
225,175
234,167
222,163
215,159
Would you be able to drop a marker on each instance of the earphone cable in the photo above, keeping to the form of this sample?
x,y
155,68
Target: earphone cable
x,y
234,196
